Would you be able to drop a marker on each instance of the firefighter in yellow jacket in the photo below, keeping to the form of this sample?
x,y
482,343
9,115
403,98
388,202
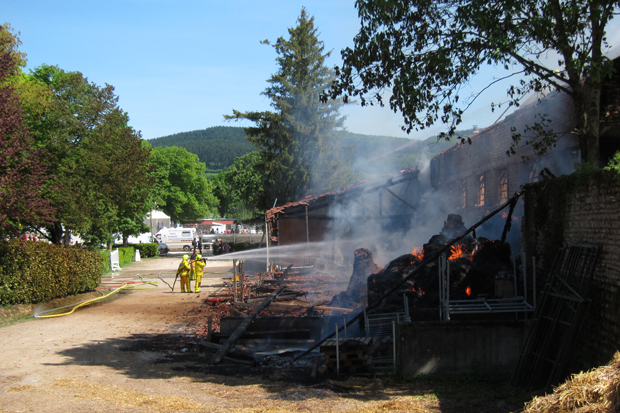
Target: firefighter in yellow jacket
x,y
198,267
183,272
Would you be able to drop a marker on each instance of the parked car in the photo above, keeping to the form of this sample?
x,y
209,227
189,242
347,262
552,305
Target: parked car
x,y
163,249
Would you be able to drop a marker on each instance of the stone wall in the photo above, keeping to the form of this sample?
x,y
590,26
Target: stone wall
x,y
575,209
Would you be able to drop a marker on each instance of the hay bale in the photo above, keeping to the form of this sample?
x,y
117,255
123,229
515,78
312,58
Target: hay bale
x,y
591,392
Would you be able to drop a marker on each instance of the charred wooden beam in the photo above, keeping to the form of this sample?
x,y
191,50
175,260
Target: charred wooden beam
x,y
400,199
285,273
509,220
244,326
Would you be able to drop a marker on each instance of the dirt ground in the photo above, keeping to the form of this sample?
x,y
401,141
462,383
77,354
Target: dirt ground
x,y
133,353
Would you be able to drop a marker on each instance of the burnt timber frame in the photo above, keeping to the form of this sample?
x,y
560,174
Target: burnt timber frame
x,y
356,194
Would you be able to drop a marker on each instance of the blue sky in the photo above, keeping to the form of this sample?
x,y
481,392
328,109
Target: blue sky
x,y
180,66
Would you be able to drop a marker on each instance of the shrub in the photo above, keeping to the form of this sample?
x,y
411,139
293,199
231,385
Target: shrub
x,y
33,272
125,256
149,250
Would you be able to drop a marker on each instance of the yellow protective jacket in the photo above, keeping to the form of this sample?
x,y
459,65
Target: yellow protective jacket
x,y
199,268
183,269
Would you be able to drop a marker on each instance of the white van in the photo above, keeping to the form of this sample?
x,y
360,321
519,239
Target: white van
x,y
177,237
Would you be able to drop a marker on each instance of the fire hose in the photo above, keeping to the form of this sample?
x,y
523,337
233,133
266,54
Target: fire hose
x,y
115,289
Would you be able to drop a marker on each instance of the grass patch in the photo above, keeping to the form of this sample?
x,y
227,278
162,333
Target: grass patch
x,y
18,313
14,314
468,388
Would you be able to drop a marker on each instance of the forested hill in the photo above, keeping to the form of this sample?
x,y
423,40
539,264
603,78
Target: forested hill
x,y
217,147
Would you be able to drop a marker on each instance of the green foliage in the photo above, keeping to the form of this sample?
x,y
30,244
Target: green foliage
x,y
33,272
23,174
586,168
102,171
105,258
217,146
182,190
240,187
148,250
614,164
125,256
298,140
422,52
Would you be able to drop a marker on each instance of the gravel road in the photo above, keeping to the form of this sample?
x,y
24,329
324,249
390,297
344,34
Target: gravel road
x,y
131,353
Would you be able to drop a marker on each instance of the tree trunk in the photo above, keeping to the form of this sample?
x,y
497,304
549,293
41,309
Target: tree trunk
x,y
587,105
55,233
67,238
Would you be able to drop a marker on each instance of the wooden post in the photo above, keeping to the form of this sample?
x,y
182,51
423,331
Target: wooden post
x,y
266,234
337,351
235,280
244,326
307,260
241,279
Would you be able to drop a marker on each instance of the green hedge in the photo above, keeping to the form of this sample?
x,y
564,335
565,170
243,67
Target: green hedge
x,y
149,250
125,256
34,272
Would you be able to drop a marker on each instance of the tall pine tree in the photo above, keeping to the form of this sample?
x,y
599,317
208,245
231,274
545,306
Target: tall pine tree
x,y
298,140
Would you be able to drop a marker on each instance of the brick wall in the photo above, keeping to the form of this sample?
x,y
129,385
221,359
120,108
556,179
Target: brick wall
x,y
463,165
572,210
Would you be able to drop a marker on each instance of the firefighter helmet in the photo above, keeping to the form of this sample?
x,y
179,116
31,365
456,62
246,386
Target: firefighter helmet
x,y
185,257
198,256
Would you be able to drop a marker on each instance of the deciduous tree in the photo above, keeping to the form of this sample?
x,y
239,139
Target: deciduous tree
x,y
240,187
101,168
422,52
182,190
23,177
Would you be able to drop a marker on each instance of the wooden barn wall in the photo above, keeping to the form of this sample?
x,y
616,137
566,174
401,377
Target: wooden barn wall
x,y
293,231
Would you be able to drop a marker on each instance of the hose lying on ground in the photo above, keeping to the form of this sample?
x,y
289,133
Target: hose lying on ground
x,y
116,288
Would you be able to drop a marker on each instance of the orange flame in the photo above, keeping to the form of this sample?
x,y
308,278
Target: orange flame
x,y
505,215
418,253
468,291
457,251
418,290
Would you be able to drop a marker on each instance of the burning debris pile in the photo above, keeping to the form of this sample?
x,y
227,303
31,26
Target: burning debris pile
x,y
478,268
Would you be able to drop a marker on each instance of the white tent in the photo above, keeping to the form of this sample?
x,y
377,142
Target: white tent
x,y
157,220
